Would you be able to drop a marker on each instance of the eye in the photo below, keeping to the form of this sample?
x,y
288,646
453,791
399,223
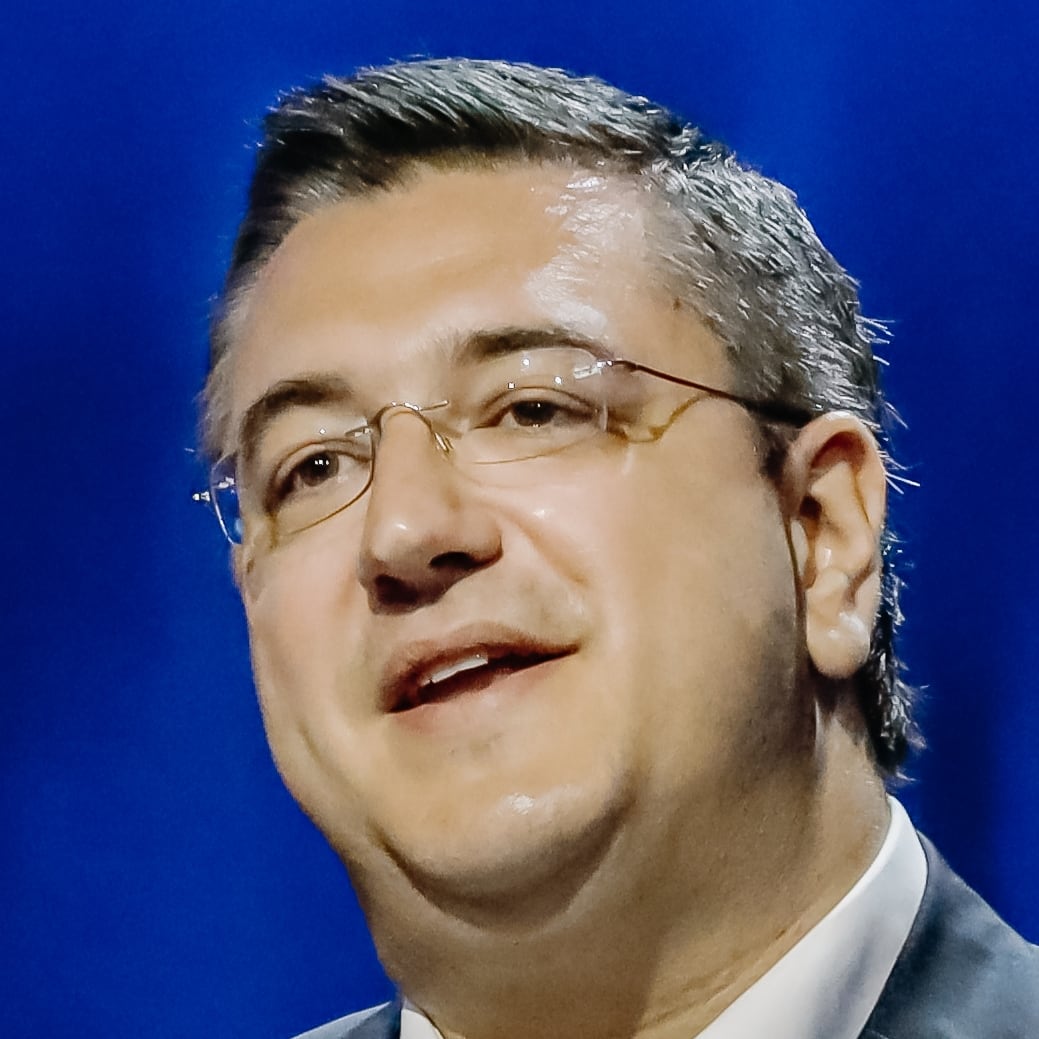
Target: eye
x,y
541,411
315,470
326,468
304,476
532,414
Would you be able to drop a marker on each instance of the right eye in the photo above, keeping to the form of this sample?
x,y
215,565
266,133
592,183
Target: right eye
x,y
313,471
322,469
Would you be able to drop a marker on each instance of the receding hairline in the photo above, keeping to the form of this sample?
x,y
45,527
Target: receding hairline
x,y
634,184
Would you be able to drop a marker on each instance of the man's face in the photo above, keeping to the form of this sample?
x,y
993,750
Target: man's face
x,y
636,601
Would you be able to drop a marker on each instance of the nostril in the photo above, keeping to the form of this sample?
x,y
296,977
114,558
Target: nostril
x,y
457,562
409,590
391,591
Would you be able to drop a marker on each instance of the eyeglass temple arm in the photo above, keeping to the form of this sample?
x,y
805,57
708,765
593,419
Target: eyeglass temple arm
x,y
768,409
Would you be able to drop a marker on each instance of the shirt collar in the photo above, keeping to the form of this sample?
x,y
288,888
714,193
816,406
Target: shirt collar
x,y
826,986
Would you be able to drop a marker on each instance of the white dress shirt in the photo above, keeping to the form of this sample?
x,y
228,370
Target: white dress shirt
x,y
826,986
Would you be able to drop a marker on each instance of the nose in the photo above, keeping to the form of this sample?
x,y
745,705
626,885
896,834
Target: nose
x,y
424,529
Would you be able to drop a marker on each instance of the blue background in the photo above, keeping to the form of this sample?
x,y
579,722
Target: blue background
x,y
155,877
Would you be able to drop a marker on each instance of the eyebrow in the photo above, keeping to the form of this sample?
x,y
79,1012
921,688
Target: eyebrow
x,y
304,391
322,389
497,342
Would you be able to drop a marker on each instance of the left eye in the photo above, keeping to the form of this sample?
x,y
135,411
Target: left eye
x,y
532,414
541,413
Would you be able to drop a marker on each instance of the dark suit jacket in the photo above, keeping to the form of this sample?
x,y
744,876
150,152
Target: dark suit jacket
x,y
962,974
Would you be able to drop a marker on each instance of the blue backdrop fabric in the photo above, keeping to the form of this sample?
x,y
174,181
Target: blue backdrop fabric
x,y
156,878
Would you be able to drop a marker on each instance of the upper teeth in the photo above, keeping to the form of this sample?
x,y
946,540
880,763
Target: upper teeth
x,y
446,671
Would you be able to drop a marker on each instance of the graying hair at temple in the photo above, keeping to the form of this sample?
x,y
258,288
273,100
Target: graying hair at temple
x,y
728,241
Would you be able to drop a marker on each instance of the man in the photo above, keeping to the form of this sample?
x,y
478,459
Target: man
x,y
547,438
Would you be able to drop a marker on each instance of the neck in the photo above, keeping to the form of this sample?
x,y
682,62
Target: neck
x,y
668,932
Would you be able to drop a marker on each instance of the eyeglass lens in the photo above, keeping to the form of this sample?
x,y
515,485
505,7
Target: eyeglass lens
x,y
503,409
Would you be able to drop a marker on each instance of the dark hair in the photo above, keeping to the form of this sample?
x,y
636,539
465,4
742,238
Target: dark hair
x,y
731,242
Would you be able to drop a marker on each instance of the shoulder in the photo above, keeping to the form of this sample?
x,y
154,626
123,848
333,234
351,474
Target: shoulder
x,y
382,1022
963,972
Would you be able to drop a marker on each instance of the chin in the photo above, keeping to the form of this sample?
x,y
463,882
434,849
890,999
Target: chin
x,y
523,863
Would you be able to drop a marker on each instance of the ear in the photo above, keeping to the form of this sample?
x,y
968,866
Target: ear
x,y
834,489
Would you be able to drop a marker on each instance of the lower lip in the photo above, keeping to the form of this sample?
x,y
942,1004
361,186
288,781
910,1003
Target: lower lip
x,y
489,693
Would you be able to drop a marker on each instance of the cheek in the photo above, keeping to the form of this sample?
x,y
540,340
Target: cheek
x,y
698,587
294,602
307,681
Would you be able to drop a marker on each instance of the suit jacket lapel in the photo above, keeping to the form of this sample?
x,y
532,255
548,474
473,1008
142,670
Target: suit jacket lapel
x,y
962,973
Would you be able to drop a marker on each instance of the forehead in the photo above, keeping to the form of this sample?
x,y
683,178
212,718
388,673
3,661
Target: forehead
x,y
372,288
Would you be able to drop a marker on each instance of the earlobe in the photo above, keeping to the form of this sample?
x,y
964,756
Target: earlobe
x,y
835,491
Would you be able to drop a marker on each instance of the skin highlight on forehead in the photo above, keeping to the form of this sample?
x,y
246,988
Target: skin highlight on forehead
x,y
600,217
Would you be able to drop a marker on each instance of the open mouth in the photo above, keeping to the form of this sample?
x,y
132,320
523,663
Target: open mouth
x,y
469,673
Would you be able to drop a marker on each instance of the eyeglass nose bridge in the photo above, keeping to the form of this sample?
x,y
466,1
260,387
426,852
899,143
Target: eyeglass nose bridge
x,y
378,420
